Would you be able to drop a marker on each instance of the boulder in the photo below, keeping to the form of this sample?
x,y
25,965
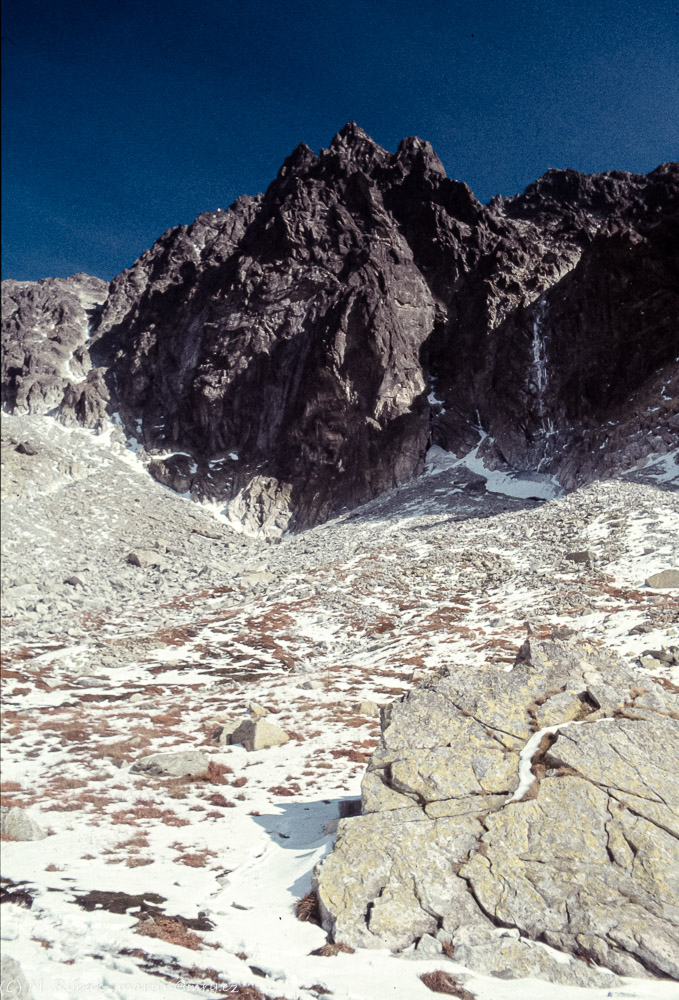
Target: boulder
x,y
225,727
367,707
256,710
256,734
172,765
146,559
544,799
581,556
13,983
27,448
16,824
668,578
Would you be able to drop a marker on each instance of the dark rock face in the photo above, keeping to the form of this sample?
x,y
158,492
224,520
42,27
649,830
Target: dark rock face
x,y
300,351
46,326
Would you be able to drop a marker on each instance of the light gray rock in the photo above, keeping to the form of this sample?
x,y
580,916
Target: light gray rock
x,y
255,578
583,856
506,956
18,825
367,707
146,558
258,735
428,947
13,983
172,765
262,506
667,579
648,662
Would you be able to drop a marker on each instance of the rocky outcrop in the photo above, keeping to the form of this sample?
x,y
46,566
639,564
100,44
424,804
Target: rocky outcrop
x,y
46,328
543,801
17,824
298,353
12,980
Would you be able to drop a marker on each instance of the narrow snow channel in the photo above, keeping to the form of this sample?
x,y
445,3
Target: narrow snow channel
x,y
526,776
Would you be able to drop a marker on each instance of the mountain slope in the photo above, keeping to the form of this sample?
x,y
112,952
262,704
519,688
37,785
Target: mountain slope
x,y
298,354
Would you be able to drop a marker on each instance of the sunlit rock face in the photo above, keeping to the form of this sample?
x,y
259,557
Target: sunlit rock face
x,y
541,801
318,338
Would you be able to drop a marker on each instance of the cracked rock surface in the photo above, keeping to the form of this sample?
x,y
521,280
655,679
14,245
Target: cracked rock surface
x,y
457,838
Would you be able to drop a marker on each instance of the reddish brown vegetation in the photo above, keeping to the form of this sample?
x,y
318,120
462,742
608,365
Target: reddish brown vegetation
x,y
329,950
292,789
443,982
170,930
307,909
141,811
139,840
43,942
196,860
355,755
218,800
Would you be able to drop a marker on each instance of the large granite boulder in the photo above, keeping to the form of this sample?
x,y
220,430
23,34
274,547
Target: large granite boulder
x,y
543,800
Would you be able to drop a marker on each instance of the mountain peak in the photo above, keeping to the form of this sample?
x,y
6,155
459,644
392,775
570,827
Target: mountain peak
x,y
298,354
351,134
353,144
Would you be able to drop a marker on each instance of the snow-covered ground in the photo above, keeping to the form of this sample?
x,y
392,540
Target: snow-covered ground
x,y
444,572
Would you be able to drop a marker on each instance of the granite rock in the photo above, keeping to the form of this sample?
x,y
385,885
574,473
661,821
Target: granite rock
x,y
544,799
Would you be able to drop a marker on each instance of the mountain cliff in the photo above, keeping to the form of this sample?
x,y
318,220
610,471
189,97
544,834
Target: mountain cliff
x,y
298,354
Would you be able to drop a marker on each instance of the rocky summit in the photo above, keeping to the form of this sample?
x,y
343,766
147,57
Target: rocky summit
x,y
296,355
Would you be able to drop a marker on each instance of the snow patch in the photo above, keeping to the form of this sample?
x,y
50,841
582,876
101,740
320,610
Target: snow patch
x,y
517,483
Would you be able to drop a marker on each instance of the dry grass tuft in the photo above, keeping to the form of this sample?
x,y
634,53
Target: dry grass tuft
x,y
292,789
448,949
329,950
131,816
196,860
443,982
170,930
307,909
218,800
43,942
139,840
357,756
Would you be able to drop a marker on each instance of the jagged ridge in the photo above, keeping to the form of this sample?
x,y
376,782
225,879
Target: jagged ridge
x,y
304,348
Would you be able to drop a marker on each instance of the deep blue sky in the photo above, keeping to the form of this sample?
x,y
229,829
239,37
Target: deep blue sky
x,y
121,119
